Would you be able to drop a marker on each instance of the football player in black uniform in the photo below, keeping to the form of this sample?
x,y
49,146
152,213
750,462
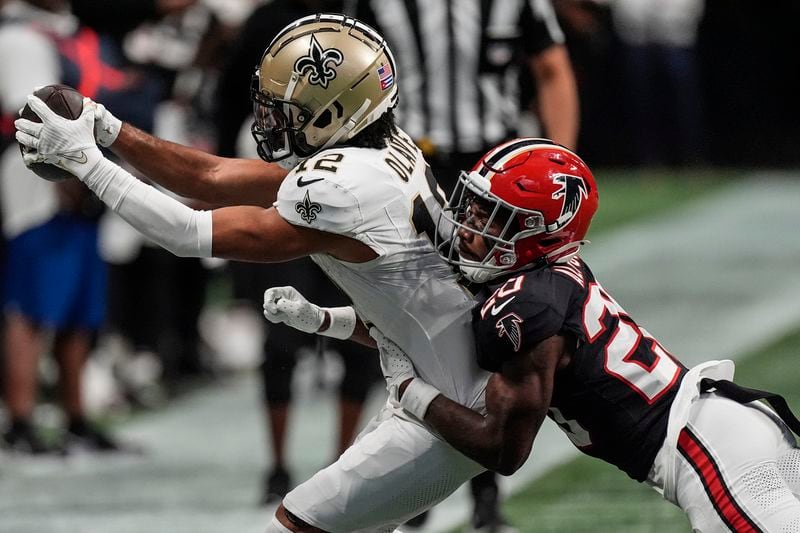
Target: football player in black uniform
x,y
560,346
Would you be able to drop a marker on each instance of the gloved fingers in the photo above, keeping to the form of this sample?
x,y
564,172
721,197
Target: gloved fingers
x,y
273,294
376,334
88,109
27,140
41,109
87,118
29,157
28,126
276,317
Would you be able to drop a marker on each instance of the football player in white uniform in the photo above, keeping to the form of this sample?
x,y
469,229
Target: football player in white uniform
x,y
358,199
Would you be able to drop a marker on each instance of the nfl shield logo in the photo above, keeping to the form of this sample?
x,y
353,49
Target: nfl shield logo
x,y
386,76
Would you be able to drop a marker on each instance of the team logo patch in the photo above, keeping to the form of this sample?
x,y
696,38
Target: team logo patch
x,y
573,189
307,209
509,326
386,76
317,64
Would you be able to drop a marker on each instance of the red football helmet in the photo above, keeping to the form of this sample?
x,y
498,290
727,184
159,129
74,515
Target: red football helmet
x,y
541,194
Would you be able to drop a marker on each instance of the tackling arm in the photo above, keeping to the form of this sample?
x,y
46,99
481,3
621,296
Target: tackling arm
x,y
517,399
196,174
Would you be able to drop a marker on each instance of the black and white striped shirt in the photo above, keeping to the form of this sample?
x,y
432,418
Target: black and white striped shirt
x,y
458,63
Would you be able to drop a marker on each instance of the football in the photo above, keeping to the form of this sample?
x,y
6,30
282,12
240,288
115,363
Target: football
x,y
68,103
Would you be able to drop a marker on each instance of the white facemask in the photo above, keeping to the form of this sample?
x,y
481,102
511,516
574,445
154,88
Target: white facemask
x,y
480,272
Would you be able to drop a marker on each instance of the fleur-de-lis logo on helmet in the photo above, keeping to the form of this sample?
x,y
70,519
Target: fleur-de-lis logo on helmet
x,y
318,64
307,209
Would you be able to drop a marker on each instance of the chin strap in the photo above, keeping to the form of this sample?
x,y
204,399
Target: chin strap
x,y
351,123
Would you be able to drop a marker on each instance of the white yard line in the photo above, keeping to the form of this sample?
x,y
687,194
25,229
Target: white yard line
x,y
715,279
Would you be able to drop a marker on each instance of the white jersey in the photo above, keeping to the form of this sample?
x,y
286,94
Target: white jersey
x,y
388,200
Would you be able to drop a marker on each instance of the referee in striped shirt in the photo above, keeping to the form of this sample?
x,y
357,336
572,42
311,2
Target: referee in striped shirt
x,y
460,62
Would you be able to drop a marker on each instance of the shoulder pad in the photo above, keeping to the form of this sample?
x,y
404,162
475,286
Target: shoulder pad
x,y
520,314
313,201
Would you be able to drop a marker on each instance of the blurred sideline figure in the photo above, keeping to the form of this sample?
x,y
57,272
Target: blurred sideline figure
x,y
358,198
283,343
461,62
662,79
54,279
560,346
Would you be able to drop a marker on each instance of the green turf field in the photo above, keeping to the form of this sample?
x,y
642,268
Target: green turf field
x,y
630,195
589,495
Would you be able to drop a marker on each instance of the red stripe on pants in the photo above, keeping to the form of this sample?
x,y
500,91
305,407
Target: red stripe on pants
x,y
706,467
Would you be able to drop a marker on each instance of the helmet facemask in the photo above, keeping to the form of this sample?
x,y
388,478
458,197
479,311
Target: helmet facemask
x,y
473,208
278,127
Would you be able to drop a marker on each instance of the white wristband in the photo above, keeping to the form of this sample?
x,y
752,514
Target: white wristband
x,y
417,397
106,127
342,322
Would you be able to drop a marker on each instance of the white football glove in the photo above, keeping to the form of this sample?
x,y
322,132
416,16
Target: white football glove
x,y
397,369
68,144
395,364
106,125
286,305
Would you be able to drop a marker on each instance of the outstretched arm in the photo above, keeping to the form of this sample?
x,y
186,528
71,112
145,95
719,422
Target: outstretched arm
x,y
246,233
197,174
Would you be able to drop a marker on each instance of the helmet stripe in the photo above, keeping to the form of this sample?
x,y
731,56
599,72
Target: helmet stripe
x,y
494,157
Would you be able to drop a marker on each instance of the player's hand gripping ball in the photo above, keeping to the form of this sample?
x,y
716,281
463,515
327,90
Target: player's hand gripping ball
x,y
64,101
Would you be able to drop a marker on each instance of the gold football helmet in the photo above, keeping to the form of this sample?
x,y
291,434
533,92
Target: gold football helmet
x,y
323,79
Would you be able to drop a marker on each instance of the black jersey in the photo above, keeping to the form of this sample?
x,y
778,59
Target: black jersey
x,y
613,398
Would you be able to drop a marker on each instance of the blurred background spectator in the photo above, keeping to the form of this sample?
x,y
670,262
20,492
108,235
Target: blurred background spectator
x,y
54,279
711,72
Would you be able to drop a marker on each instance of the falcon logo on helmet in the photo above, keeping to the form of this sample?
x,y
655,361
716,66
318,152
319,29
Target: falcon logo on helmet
x,y
316,63
573,188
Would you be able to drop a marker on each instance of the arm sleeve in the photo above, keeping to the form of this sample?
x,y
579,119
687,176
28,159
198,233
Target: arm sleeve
x,y
183,231
540,27
323,205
